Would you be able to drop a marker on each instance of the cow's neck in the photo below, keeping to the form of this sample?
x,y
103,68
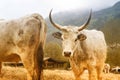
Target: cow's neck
x,y
80,52
79,56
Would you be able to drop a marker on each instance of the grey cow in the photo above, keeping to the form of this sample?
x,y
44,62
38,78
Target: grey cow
x,y
84,48
23,39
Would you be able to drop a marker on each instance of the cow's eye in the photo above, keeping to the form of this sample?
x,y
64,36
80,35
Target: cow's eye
x,y
76,39
61,38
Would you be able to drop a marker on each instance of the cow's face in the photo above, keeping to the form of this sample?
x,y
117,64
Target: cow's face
x,y
70,36
70,40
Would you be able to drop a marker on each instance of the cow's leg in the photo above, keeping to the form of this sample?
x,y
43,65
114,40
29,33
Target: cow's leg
x,y
0,67
92,73
107,70
32,61
104,71
78,72
27,60
78,75
99,72
77,69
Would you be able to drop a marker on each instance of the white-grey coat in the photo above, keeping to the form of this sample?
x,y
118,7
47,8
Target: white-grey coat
x,y
86,49
23,39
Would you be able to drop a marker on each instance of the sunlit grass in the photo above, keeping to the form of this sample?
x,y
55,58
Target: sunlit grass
x,y
19,73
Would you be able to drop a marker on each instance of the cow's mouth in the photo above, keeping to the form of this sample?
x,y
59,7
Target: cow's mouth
x,y
67,54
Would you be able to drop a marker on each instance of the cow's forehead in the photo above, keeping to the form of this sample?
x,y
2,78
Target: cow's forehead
x,y
70,33
71,29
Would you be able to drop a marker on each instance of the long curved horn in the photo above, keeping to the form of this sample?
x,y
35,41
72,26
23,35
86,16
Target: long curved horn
x,y
54,24
85,24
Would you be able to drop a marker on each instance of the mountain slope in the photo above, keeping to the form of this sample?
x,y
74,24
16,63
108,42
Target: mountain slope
x,y
102,16
100,20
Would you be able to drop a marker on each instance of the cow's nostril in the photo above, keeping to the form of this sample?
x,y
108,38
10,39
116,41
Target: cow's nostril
x,y
67,54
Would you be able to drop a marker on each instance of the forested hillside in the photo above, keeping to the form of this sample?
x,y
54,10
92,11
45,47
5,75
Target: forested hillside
x,y
99,19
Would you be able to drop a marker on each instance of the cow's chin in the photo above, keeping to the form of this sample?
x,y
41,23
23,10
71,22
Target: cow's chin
x,y
65,55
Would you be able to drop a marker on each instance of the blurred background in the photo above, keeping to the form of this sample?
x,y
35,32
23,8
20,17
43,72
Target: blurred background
x,y
105,17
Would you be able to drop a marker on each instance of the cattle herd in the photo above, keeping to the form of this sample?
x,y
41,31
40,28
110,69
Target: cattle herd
x,y
108,69
23,40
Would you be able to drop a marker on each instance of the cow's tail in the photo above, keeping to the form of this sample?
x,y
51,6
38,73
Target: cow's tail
x,y
38,74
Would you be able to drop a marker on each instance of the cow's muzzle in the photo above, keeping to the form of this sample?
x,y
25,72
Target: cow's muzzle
x,y
67,54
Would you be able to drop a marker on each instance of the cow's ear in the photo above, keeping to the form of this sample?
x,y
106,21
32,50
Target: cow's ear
x,y
81,37
57,35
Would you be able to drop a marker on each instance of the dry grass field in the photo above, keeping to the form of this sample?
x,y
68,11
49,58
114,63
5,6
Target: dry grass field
x,y
19,73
